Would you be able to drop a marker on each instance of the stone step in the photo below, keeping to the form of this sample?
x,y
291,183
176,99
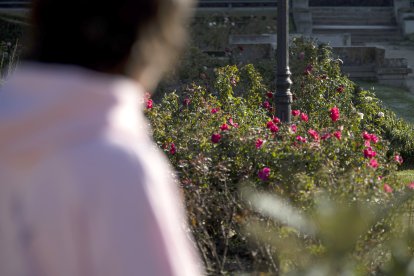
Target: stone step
x,y
357,28
351,9
371,37
353,15
359,21
350,13
362,40
357,39
364,24
362,34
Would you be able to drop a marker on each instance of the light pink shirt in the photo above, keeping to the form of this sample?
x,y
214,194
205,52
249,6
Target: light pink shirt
x,y
83,189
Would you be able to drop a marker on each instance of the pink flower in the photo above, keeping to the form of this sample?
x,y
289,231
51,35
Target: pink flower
x,y
264,174
276,120
173,150
304,117
411,186
293,128
373,163
270,124
301,139
340,88
224,127
233,81
215,138
369,153
398,159
269,94
149,104
366,136
186,102
367,143
266,104
387,188
259,143
233,124
370,137
295,112
334,114
338,134
274,128
326,136
374,138
308,69
314,134
214,110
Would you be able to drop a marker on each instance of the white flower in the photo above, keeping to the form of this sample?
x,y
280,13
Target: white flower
x,y
368,98
381,114
360,115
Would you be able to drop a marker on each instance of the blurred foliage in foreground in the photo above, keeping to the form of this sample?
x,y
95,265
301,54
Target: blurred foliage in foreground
x,y
340,231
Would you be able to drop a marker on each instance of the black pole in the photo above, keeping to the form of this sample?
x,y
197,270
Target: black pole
x,y
283,97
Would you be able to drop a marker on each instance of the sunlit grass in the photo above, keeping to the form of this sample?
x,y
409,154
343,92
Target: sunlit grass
x,y
399,100
406,176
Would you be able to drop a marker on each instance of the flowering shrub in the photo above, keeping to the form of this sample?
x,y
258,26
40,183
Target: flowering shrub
x,y
225,134
375,116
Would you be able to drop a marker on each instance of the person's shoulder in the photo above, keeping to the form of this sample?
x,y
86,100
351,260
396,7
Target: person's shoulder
x,y
107,153
99,161
110,167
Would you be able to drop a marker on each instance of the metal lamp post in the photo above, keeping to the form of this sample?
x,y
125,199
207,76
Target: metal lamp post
x,y
283,96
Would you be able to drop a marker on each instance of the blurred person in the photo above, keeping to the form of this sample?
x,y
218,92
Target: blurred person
x,y
83,188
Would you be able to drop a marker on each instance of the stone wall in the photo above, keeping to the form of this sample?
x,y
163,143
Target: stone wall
x,y
369,63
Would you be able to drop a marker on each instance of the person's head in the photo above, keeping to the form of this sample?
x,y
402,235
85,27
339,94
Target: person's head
x,y
136,38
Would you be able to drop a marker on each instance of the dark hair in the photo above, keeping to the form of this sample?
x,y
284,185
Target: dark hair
x,y
96,34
